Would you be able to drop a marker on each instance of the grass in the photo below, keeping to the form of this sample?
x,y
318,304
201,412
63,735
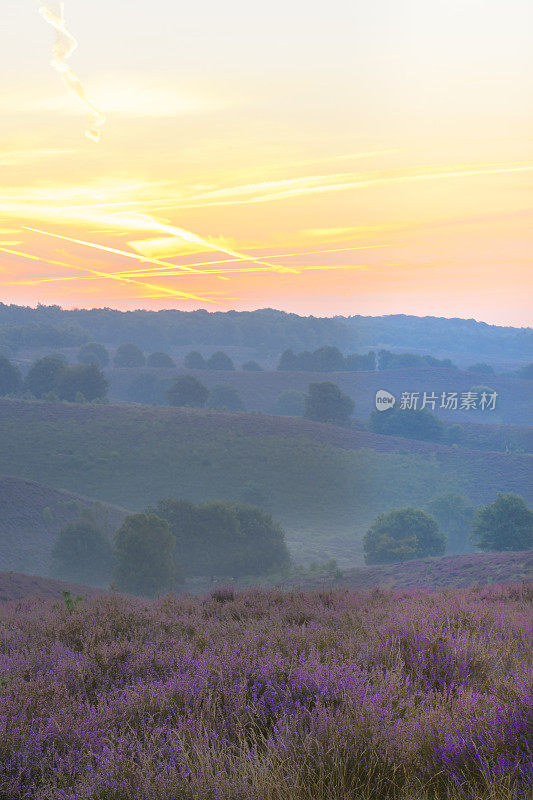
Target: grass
x,y
323,484
269,696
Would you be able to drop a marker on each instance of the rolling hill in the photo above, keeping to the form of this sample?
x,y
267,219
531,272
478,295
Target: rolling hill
x,y
324,484
31,516
15,586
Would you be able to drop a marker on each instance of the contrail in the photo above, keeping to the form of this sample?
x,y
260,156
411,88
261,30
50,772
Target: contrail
x,y
64,46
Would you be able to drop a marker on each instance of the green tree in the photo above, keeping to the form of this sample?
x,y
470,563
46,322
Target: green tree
x,y
252,366
225,398
10,378
265,548
288,361
356,363
144,548
129,355
505,524
82,552
195,360
326,403
454,515
93,353
402,534
290,403
220,361
85,379
160,360
412,423
187,391
328,359
43,376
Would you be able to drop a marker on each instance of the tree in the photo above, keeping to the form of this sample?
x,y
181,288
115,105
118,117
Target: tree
x,y
129,355
505,524
187,391
220,361
82,552
10,378
412,423
93,353
43,376
252,366
402,534
265,549
483,369
144,548
195,360
326,403
83,379
355,362
454,515
328,359
145,388
225,398
160,360
290,403
288,361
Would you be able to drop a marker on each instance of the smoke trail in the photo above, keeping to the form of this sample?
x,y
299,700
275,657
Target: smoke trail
x,y
64,46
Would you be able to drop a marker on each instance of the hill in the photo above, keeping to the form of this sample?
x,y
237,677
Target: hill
x,y
435,573
324,484
16,586
259,390
31,516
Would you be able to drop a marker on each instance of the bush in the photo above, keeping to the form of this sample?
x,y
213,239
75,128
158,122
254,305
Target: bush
x,y
225,398
326,403
411,423
188,391
93,353
82,553
160,360
129,355
83,379
402,534
10,378
195,360
220,361
505,524
144,548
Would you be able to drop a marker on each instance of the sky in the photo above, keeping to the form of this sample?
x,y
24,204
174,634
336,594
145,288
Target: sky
x,y
320,158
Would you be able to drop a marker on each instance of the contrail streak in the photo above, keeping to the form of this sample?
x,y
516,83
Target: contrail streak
x,y
64,46
107,275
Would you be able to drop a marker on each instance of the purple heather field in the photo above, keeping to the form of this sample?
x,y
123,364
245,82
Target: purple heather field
x,y
269,695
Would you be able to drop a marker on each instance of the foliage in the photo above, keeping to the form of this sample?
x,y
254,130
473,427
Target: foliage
x,y
388,360
93,353
484,369
145,388
160,360
325,359
224,538
43,376
220,361
10,377
195,360
129,355
252,366
505,524
83,379
290,403
412,423
144,549
326,403
356,363
82,553
225,398
402,534
255,695
187,391
454,515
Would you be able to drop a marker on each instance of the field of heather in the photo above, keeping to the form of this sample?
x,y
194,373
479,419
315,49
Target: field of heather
x,y
265,695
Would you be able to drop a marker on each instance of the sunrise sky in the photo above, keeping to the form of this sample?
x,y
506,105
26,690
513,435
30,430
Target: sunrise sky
x,y
325,158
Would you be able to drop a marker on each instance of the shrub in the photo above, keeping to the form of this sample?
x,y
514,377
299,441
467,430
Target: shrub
x,y
402,534
43,376
505,524
83,379
129,355
411,423
326,403
160,360
93,353
195,360
187,391
220,361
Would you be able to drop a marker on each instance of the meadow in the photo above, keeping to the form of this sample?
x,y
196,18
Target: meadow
x,y
264,695
323,484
